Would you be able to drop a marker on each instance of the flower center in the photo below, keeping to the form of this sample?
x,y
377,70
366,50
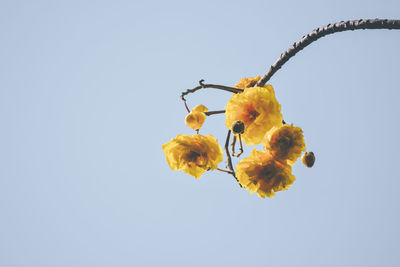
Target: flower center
x,y
252,115
200,159
266,172
192,156
285,142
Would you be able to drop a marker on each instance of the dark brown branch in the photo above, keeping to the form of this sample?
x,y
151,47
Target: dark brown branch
x,y
221,170
208,113
202,85
228,157
350,25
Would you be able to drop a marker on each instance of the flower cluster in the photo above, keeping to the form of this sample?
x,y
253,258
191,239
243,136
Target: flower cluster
x,y
254,115
269,171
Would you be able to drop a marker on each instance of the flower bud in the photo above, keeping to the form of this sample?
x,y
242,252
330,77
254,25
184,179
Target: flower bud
x,y
308,159
238,127
196,117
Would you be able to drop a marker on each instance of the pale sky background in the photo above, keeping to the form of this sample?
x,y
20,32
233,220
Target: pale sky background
x,y
89,92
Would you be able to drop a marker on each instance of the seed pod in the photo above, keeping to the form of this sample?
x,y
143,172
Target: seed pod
x,y
238,127
308,159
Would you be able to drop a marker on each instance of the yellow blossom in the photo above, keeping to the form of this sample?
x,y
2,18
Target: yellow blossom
x,y
193,154
262,174
247,82
196,117
251,82
285,143
258,108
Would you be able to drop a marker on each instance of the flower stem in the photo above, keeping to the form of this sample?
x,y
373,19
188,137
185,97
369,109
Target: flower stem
x,y
350,25
224,171
186,106
229,159
208,113
233,146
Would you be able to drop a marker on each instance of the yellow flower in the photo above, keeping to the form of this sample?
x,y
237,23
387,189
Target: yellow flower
x,y
262,174
196,117
247,82
250,82
258,108
285,143
193,154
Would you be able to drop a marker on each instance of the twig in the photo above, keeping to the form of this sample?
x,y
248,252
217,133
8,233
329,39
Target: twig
x,y
186,106
202,85
221,170
208,113
349,25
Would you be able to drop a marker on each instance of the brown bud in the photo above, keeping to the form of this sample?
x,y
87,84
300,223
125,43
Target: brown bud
x,y
308,159
238,127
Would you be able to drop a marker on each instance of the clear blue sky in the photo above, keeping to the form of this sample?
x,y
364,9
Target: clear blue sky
x,y
89,91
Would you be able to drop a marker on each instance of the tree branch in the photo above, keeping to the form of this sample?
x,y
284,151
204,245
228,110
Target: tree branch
x,y
202,85
349,25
